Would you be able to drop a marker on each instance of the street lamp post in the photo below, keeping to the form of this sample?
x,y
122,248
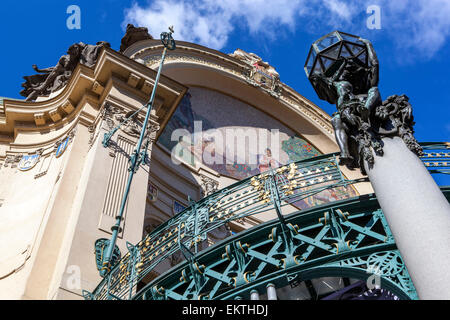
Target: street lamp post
x,y
377,137
137,157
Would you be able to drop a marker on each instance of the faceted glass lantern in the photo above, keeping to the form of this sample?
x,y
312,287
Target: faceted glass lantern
x,y
325,53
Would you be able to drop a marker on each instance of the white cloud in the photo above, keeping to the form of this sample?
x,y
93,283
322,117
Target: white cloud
x,y
342,9
418,27
190,24
210,22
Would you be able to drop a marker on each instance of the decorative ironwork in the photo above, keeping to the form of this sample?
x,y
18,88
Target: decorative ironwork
x,y
436,157
100,246
309,249
347,237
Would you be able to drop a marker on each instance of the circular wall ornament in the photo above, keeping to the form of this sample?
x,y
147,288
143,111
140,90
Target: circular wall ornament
x,y
62,147
28,162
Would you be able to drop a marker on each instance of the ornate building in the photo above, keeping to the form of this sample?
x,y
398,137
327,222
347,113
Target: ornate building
x,y
61,187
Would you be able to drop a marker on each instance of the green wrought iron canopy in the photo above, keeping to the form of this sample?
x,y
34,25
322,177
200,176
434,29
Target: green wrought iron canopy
x,y
343,236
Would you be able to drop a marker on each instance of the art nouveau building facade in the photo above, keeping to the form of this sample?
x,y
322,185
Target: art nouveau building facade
x,y
61,188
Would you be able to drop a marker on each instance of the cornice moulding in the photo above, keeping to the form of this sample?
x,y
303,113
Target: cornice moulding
x,y
83,87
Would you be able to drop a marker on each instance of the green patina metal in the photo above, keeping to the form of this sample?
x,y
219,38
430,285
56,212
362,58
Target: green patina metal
x,y
437,157
100,246
348,238
310,248
139,155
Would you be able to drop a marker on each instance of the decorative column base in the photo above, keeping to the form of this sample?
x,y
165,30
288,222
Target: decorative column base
x,y
418,215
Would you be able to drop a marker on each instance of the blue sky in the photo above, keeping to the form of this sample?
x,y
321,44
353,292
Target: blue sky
x,y
412,45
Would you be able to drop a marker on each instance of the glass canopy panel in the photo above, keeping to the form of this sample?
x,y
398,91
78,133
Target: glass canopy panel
x,y
317,68
326,62
327,285
348,37
332,52
310,62
327,41
356,49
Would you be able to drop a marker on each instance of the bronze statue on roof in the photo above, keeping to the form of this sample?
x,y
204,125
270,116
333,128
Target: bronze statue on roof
x,y
51,79
133,35
344,70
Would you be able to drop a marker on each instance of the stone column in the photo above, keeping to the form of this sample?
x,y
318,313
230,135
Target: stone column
x,y
418,215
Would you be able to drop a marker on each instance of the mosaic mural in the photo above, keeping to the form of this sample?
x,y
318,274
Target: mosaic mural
x,y
216,112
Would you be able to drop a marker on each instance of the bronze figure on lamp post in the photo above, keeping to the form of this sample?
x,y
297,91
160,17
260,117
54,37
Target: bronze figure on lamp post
x,y
344,70
377,136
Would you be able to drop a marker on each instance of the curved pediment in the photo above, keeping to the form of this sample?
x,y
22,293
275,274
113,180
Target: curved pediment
x,y
243,76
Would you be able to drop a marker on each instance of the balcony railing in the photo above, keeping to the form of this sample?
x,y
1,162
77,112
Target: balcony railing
x,y
283,190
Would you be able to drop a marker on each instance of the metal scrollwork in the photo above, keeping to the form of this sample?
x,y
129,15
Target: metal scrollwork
x,y
388,263
167,39
100,246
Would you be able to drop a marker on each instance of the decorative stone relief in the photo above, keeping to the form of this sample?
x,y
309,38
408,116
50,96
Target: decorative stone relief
x,y
209,186
131,126
153,61
109,115
92,136
9,159
152,130
261,74
13,160
113,116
